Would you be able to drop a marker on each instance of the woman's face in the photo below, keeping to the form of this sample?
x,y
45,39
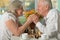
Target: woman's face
x,y
19,12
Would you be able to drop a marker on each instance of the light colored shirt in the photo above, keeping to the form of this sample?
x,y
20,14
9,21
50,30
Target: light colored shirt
x,y
5,33
51,21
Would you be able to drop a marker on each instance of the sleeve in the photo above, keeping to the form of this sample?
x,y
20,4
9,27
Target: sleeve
x,y
8,17
40,27
51,25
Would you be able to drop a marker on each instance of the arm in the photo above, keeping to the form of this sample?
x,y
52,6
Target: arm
x,y
13,27
51,25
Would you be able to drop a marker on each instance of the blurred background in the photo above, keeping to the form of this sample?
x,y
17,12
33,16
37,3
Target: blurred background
x,y
28,4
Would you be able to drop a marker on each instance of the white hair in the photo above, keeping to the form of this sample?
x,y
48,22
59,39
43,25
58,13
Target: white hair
x,y
47,2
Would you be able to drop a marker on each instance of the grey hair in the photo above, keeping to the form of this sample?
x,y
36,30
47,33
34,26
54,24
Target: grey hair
x,y
50,3
47,2
14,5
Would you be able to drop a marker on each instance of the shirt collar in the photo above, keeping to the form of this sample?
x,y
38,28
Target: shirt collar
x,y
46,17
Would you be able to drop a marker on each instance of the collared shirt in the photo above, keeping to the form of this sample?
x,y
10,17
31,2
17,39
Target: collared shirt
x,y
51,21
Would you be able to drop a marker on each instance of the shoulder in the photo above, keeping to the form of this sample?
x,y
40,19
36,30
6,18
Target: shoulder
x,y
7,16
52,13
53,10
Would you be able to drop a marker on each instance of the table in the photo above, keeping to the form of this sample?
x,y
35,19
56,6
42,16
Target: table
x,y
28,38
19,38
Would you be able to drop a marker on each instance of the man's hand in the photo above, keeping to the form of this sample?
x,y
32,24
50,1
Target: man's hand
x,y
34,18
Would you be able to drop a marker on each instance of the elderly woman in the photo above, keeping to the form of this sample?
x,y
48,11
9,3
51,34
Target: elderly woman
x,y
9,25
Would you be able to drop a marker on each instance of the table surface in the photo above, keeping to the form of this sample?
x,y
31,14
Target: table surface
x,y
19,38
28,38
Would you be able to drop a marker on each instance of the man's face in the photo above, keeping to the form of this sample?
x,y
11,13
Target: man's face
x,y
41,8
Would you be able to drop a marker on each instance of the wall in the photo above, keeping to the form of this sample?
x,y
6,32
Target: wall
x,y
59,5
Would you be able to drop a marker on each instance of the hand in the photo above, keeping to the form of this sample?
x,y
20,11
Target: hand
x,y
29,20
35,18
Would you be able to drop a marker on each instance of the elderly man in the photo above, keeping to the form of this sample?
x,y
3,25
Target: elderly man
x,y
50,26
